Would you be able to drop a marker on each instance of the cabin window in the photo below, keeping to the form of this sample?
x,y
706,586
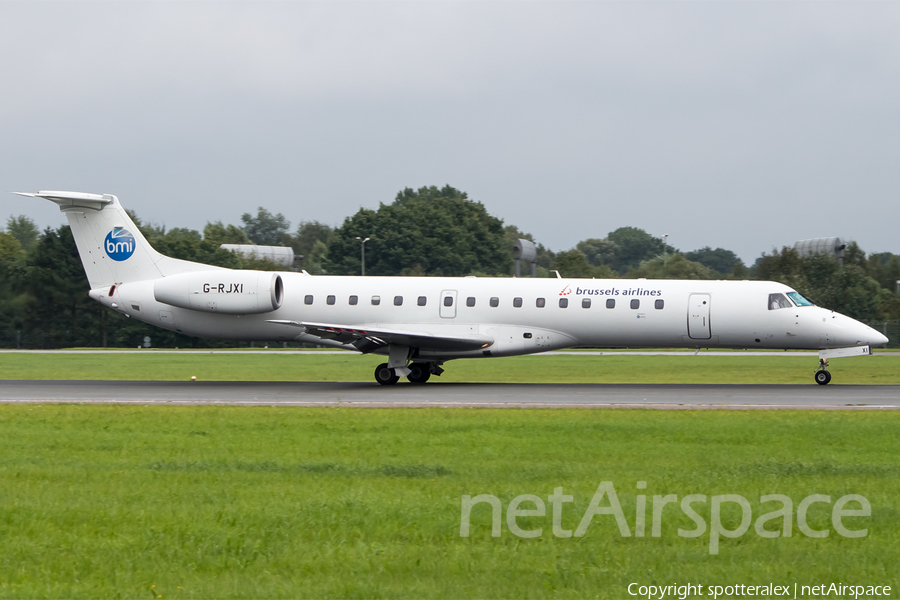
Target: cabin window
x,y
354,300
470,301
527,336
308,299
517,302
495,302
398,300
448,300
329,300
540,303
777,301
585,303
610,303
422,300
376,300
564,303
635,303
659,304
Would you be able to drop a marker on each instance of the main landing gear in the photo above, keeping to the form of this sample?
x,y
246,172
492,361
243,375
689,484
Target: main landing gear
x,y
419,372
822,375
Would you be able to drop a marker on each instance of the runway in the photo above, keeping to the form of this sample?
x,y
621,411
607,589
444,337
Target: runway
x,y
448,395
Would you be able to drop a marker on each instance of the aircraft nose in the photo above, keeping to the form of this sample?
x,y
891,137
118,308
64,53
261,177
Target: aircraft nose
x,y
871,336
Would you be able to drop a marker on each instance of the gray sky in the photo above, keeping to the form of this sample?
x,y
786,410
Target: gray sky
x,y
746,125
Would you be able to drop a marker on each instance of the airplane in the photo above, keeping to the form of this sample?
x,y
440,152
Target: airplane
x,y
420,323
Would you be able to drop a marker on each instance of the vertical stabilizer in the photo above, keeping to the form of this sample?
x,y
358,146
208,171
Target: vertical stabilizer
x,y
112,248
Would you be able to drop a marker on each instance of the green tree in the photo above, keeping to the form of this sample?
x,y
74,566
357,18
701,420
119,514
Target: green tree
x,y
574,263
265,228
218,234
311,242
675,266
598,251
720,260
632,246
430,231
23,229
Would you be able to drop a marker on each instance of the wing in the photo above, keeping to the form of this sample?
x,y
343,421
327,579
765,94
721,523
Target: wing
x,y
368,340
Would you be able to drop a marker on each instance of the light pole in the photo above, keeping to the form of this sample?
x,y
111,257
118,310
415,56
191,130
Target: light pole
x,y
665,239
362,253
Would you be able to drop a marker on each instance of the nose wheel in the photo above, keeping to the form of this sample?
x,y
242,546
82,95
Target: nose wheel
x,y
822,376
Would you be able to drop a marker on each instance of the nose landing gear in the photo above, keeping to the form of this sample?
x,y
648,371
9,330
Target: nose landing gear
x,y
822,375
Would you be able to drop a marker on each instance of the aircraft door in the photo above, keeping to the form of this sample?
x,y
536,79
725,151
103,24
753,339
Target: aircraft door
x,y
698,317
448,304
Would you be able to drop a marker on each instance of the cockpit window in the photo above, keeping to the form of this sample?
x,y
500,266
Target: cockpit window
x,y
799,300
777,301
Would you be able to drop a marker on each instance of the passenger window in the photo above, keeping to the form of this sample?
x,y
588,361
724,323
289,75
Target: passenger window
x,y
659,304
376,300
329,300
308,299
470,301
540,303
422,300
586,303
777,301
563,302
354,300
448,300
635,304
398,300
517,302
610,303
495,302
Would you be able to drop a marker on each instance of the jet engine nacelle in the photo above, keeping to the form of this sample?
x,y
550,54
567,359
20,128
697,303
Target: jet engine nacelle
x,y
222,291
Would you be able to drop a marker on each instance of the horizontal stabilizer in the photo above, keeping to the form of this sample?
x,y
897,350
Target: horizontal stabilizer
x,y
73,199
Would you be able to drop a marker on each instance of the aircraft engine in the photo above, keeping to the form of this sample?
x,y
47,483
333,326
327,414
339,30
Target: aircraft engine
x,y
222,291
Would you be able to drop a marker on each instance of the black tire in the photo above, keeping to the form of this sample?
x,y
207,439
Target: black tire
x,y
385,375
419,373
823,377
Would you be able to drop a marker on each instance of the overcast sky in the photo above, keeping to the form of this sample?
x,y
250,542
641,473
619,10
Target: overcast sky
x,y
735,124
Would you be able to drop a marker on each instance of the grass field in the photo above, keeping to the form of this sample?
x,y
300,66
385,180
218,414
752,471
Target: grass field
x,y
191,502
609,368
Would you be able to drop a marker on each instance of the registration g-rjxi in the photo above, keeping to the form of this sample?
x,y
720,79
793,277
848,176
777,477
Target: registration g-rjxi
x,y
420,323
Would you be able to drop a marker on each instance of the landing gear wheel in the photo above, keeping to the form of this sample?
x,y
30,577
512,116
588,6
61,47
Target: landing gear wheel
x,y
385,375
419,373
823,377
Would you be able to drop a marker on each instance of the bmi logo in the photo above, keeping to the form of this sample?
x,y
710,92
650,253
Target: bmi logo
x,y
119,244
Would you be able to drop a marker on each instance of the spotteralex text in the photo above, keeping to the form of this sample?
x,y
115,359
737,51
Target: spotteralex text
x,y
768,590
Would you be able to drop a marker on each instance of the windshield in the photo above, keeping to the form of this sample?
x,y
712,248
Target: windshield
x,y
799,300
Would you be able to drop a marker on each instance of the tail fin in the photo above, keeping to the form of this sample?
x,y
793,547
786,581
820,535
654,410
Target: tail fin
x,y
112,248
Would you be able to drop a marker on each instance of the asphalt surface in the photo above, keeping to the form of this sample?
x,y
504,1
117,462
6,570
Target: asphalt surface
x,y
480,395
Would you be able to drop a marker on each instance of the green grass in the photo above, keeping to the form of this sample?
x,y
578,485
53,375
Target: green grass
x,y
614,368
192,502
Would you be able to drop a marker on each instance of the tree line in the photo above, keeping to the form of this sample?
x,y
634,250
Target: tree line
x,y
426,232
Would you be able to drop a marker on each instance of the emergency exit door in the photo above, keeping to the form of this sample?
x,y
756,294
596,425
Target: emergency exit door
x,y
448,304
698,317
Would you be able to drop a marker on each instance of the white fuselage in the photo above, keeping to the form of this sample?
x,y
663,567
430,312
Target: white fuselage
x,y
531,315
